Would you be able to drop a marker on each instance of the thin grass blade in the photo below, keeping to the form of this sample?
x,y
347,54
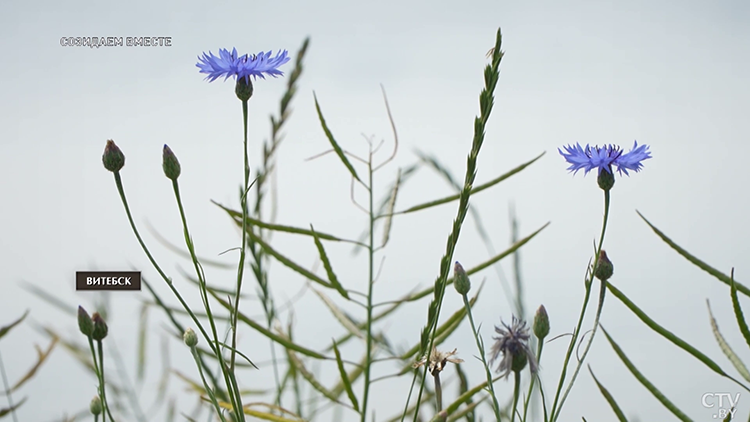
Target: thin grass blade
x,y
608,396
345,379
646,383
333,142
697,262
327,265
670,336
724,346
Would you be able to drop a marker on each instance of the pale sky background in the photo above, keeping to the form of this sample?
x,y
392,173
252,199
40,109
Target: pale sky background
x,y
672,75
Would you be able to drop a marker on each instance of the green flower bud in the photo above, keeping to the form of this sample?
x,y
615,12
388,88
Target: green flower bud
x,y
170,164
519,362
100,327
190,338
460,279
244,88
85,324
604,269
95,406
606,179
541,323
113,158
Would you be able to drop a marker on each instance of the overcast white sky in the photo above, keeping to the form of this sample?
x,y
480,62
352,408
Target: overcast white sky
x,y
669,74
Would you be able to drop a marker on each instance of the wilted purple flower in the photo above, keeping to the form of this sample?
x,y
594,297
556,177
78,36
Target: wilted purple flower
x,y
230,64
604,157
513,344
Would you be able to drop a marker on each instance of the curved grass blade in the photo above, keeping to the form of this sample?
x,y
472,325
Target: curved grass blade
x,y
237,217
646,383
345,379
141,342
339,315
275,337
286,261
724,346
327,265
671,337
697,262
607,396
52,300
351,376
7,328
389,210
477,189
307,375
467,396
738,311
334,144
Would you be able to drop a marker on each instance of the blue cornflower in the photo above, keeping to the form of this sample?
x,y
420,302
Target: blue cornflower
x,y
230,64
604,157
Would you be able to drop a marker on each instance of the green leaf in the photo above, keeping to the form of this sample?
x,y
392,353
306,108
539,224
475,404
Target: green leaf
x,y
142,340
738,311
724,346
611,400
389,210
477,189
334,144
286,261
345,321
700,264
307,375
345,378
669,336
327,265
271,335
7,328
646,383
237,216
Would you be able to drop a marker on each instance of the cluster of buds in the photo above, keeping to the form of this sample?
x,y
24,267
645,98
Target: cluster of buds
x,y
114,160
92,326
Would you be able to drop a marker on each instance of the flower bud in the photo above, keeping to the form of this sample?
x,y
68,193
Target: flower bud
x,y
460,279
606,179
190,338
100,327
95,406
113,158
519,362
244,88
541,323
85,324
170,164
604,269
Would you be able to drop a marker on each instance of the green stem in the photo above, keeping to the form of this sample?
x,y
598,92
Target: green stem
x,y
589,282
210,392
480,348
516,393
241,265
97,372
371,282
215,350
232,382
533,378
101,380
